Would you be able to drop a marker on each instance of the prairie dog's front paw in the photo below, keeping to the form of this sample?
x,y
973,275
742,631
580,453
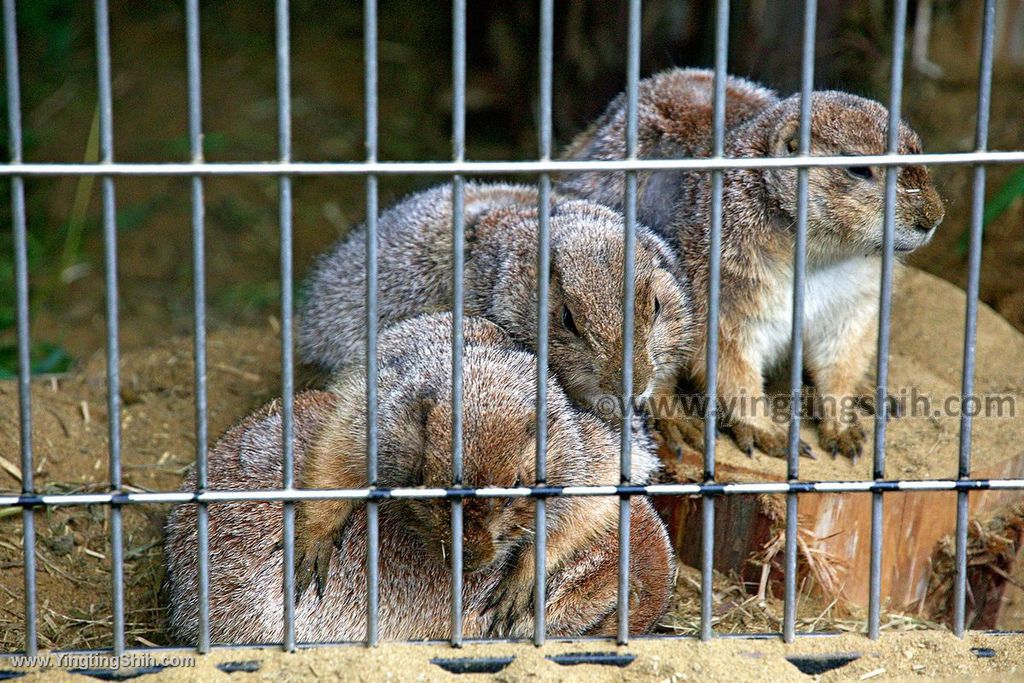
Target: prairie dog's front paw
x,y
837,437
766,436
682,432
318,531
312,561
511,604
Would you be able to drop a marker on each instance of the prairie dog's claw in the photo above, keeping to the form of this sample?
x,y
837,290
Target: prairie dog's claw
x,y
772,440
686,431
512,602
838,437
314,546
805,450
313,562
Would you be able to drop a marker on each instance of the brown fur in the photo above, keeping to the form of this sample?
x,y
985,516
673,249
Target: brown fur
x,y
414,449
759,215
501,223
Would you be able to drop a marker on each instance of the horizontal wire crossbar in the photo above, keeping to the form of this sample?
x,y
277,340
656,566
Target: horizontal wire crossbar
x,y
361,168
311,645
277,495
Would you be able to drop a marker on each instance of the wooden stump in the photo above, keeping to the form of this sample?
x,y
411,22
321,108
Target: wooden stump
x,y
927,343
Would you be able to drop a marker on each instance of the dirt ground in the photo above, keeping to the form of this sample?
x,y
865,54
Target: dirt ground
x,y
915,656
70,441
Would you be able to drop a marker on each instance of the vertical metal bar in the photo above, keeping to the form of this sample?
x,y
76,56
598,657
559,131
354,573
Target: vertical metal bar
x,y
18,227
113,353
373,532
796,358
458,299
714,270
628,312
195,141
546,59
971,321
884,316
284,122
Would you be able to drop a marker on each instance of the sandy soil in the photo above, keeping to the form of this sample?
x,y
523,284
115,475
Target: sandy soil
x,y
158,442
908,656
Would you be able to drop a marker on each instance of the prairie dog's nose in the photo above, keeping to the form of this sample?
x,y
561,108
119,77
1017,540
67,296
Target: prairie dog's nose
x,y
643,371
937,213
926,209
930,220
932,210
478,549
926,226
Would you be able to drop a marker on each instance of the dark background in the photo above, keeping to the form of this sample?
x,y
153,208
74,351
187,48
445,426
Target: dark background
x,y
58,81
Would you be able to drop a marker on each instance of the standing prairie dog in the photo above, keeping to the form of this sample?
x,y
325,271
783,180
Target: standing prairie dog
x,y
415,535
585,302
844,238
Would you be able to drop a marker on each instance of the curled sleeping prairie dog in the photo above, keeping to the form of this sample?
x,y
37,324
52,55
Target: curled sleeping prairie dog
x,y
415,450
415,276
844,239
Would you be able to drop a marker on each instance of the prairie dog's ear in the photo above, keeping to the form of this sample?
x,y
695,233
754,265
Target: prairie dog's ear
x,y
434,422
787,139
664,283
415,442
562,254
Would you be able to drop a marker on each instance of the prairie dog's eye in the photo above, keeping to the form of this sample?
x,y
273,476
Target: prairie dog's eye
x,y
861,172
657,307
510,501
568,321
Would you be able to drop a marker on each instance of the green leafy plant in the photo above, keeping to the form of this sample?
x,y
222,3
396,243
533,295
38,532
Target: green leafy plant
x,y
1004,196
44,358
995,207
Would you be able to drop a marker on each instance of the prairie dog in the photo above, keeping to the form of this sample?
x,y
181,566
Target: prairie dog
x,y
585,340
844,238
415,449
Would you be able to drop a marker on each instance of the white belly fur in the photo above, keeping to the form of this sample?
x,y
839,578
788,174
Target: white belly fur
x,y
832,294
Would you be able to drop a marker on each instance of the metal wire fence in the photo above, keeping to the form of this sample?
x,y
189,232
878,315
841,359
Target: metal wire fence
x,y
284,169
